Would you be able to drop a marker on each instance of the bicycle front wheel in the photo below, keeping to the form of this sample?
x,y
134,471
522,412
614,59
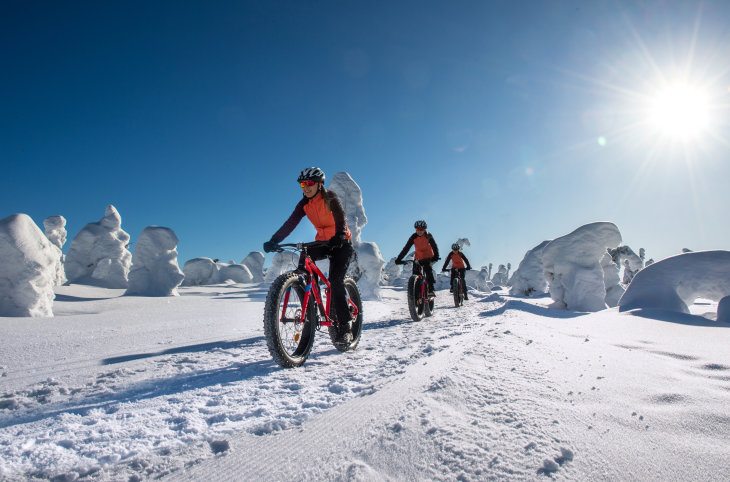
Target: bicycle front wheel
x,y
288,338
416,304
456,288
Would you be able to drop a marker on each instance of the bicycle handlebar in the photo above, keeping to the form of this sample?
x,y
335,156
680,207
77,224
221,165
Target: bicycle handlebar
x,y
299,246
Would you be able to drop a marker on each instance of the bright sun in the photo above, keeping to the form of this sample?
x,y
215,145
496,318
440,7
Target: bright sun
x,y
680,112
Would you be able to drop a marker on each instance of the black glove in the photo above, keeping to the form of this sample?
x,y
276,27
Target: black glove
x,y
468,268
434,259
443,270
269,246
336,241
398,261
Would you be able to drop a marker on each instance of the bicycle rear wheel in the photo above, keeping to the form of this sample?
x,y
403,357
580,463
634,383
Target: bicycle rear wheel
x,y
288,338
353,294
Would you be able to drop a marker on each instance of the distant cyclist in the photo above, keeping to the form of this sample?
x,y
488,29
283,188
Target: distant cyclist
x,y
324,210
426,251
459,265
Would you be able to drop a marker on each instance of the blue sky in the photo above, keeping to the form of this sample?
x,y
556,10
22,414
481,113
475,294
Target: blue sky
x,y
504,122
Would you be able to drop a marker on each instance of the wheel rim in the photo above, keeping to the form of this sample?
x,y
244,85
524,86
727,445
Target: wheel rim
x,y
289,328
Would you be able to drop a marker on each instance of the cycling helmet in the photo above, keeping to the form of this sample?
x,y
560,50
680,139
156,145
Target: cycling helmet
x,y
456,246
311,174
420,224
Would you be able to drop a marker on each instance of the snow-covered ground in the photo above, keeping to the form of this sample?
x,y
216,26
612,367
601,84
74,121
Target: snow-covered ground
x,y
133,388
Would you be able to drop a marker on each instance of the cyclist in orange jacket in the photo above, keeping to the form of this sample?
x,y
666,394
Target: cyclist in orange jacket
x,y
426,251
323,209
459,265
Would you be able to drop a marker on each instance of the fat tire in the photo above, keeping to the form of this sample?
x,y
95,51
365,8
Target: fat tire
x,y
271,322
354,294
413,292
428,305
456,288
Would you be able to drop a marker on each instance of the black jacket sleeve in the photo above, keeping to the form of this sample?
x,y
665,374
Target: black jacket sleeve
x,y
337,212
448,258
291,223
432,242
468,264
405,249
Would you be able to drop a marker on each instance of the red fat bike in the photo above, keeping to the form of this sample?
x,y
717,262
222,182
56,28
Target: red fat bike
x,y
295,310
420,303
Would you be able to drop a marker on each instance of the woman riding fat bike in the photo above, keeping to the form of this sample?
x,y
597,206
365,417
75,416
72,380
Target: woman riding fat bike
x,y
427,252
323,209
459,265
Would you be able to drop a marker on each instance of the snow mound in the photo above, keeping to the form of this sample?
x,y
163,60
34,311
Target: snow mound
x,y
572,266
723,310
99,254
391,271
281,263
479,280
254,261
529,278
501,276
28,261
237,273
155,271
55,228
674,283
199,271
370,262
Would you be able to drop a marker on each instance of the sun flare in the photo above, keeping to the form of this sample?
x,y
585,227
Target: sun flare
x,y
680,112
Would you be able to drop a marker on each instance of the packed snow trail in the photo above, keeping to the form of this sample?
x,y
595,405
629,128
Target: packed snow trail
x,y
501,388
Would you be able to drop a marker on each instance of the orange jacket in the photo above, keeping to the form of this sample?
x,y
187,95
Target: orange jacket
x,y
323,219
327,222
425,247
458,261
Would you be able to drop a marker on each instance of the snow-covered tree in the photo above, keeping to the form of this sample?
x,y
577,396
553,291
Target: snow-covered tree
x,y
367,265
55,228
99,253
572,265
674,283
254,261
155,271
28,268
529,278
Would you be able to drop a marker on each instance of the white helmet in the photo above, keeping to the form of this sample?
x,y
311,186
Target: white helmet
x,y
311,174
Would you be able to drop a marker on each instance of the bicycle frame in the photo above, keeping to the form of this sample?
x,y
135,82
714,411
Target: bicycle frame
x,y
312,290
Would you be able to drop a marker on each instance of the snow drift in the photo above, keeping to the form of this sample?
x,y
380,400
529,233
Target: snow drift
x,y
29,262
155,271
572,265
99,254
673,283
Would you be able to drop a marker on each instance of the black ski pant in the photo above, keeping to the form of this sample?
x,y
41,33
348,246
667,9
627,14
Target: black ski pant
x,y
339,262
428,271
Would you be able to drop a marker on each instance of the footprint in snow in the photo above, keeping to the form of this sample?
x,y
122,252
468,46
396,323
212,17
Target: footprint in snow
x,y
550,466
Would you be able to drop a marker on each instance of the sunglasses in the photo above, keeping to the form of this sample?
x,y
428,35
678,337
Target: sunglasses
x,y
308,183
